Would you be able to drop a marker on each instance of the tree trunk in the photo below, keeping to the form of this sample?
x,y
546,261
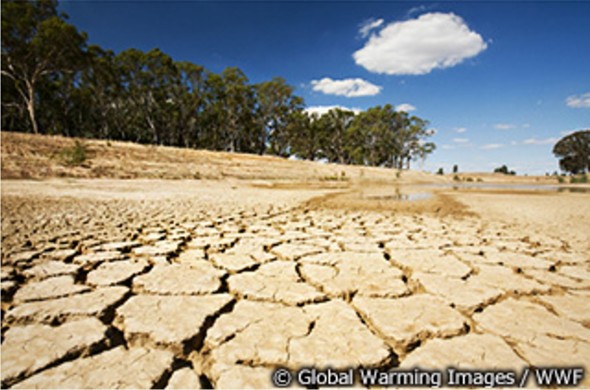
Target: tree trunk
x,y
31,107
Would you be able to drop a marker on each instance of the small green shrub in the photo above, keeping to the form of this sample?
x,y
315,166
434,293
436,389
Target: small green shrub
x,y
504,169
469,179
75,155
560,179
440,171
583,178
456,178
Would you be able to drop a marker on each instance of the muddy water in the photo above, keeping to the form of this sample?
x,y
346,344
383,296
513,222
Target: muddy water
x,y
426,191
500,186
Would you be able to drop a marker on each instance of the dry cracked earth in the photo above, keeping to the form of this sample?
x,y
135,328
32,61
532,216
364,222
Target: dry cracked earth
x,y
180,294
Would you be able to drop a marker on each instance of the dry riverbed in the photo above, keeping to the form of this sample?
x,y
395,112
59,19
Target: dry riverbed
x,y
193,283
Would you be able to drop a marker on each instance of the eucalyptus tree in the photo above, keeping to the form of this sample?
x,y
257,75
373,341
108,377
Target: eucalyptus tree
x,y
372,136
229,112
381,136
188,95
238,106
276,107
335,124
147,104
306,134
573,152
101,89
410,139
36,43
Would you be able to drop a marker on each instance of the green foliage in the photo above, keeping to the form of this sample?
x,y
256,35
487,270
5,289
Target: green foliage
x,y
381,136
456,178
440,171
54,83
38,47
560,179
455,168
573,152
583,178
504,169
74,155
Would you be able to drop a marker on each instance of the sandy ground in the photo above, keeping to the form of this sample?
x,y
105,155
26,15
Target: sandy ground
x,y
156,283
152,283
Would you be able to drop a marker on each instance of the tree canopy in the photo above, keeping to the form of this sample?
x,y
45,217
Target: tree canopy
x,y
54,82
573,152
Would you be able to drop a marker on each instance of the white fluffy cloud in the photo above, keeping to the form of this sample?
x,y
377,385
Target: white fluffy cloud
x,y
347,87
321,110
460,140
417,46
405,107
492,146
578,101
535,141
460,130
369,25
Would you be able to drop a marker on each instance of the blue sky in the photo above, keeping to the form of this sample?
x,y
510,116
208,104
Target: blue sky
x,y
499,81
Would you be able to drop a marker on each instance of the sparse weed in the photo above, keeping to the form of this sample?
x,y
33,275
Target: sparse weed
x,y
75,155
335,177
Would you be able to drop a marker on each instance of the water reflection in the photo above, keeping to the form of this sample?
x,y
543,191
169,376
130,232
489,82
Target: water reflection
x,y
400,196
500,186
417,192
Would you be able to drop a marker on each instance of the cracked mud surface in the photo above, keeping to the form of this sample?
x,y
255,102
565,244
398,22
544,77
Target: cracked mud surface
x,y
220,286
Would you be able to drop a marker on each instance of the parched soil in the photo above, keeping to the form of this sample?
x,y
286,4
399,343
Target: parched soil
x,y
216,283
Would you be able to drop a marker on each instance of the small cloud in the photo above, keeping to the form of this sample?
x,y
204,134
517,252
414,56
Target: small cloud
x,y
321,110
448,147
460,140
460,130
347,87
405,107
492,146
504,126
418,46
578,101
513,143
535,141
368,25
526,125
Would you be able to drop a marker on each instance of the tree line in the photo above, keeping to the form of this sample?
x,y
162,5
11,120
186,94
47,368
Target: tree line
x,y
54,82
